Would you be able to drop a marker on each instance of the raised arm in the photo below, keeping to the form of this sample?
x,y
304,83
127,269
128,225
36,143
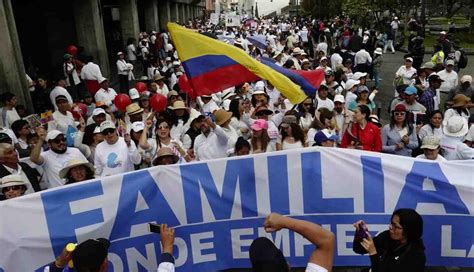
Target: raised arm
x,y
35,155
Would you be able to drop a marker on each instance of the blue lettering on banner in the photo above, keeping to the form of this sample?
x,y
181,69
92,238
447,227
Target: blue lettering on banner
x,y
278,184
61,222
445,193
373,184
313,200
132,185
194,176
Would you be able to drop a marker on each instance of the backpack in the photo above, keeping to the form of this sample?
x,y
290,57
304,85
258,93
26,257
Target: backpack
x,y
462,63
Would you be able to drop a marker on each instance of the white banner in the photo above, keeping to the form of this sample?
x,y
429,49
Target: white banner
x,y
232,20
218,208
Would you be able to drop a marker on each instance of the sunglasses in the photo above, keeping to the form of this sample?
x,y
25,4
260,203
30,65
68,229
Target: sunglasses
x,y
399,113
12,188
59,140
108,131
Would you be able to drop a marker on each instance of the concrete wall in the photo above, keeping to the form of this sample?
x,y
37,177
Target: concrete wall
x,y
12,70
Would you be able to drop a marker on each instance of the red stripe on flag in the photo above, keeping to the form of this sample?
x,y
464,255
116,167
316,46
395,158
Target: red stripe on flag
x,y
221,79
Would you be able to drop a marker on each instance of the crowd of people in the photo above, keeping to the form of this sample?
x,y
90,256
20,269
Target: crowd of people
x,y
88,135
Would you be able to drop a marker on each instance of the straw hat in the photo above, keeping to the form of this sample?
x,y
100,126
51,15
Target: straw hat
x,y
222,116
460,100
178,105
11,180
73,163
165,151
133,108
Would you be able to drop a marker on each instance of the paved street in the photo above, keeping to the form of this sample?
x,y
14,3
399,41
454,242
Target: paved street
x,y
390,65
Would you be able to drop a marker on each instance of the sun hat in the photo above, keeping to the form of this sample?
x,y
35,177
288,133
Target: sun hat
x,y
460,100
430,142
172,93
133,108
178,105
259,124
358,75
378,51
73,163
158,77
228,93
455,126
53,134
222,116
163,152
427,65
296,51
11,180
324,135
106,125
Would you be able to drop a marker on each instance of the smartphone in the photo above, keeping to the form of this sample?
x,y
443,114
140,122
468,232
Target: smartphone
x,y
155,228
362,232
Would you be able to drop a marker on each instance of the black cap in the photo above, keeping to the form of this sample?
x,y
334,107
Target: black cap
x,y
435,78
4,138
265,256
89,255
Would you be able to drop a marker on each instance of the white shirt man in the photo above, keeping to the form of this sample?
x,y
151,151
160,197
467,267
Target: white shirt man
x,y
122,67
105,95
362,57
91,71
56,158
449,76
210,144
115,154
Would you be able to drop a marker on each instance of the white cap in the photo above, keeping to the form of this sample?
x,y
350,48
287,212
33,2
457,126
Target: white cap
x,y
358,75
176,63
138,126
410,59
466,78
339,98
106,125
351,83
53,134
133,93
96,130
98,111
450,62
323,58
120,53
259,86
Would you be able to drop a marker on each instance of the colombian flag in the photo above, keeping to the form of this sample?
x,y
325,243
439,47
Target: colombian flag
x,y
212,66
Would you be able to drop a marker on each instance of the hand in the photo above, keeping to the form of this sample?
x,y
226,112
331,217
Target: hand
x,y
405,139
167,238
148,124
368,245
41,133
82,124
210,123
358,223
63,259
399,146
274,222
128,139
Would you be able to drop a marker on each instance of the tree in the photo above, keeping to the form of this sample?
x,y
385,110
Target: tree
x,y
322,8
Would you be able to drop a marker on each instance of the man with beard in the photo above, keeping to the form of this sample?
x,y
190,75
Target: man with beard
x,y
55,158
211,143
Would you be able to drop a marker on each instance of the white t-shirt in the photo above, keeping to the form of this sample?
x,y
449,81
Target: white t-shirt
x,y
326,103
105,96
61,121
213,146
438,158
116,158
450,80
455,149
311,267
54,162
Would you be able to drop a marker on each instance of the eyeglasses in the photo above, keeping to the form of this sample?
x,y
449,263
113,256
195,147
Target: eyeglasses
x,y
108,131
400,113
11,188
59,140
392,225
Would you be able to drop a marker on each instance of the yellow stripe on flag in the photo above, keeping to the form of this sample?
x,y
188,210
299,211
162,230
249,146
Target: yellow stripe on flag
x,y
191,45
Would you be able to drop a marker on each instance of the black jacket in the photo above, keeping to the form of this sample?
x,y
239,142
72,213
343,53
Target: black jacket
x,y
393,257
31,173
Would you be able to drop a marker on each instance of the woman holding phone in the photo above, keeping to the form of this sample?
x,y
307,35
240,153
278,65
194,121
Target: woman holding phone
x,y
400,248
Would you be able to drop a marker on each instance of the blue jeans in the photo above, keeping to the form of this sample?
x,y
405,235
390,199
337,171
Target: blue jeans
x,y
376,79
